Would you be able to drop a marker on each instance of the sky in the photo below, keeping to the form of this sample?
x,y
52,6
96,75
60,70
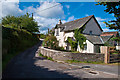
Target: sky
x,y
66,11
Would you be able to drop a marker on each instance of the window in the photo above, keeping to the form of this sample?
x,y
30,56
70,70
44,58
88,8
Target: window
x,y
57,33
90,32
85,47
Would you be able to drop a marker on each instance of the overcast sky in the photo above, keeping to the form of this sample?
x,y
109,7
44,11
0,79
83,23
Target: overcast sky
x,y
66,11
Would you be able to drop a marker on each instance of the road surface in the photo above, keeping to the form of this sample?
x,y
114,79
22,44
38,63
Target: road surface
x,y
26,66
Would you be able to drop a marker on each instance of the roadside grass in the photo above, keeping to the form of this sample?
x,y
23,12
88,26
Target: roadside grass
x,y
115,53
90,62
76,61
49,58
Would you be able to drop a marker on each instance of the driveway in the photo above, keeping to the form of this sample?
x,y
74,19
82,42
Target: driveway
x,y
26,65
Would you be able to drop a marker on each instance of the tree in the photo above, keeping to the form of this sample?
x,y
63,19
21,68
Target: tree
x,y
112,8
11,21
23,22
28,23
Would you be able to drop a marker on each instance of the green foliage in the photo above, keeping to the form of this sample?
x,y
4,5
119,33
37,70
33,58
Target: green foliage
x,y
42,36
60,48
22,22
78,38
72,43
115,53
15,41
50,42
107,44
52,32
116,38
112,8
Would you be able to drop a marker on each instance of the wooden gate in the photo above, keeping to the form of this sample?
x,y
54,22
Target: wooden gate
x,y
110,57
114,58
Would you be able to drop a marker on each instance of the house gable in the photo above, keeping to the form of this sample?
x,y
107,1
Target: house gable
x,y
92,27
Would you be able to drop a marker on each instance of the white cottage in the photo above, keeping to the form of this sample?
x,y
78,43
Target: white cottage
x,y
91,31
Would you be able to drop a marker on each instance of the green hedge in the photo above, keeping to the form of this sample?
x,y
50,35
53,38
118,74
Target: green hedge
x,y
15,41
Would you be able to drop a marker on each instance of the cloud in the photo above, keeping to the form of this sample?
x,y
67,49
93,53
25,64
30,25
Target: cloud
x,y
10,8
46,19
100,19
71,18
67,6
86,15
45,23
106,30
54,12
68,13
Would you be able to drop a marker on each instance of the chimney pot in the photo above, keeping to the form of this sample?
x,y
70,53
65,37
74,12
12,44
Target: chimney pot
x,y
60,22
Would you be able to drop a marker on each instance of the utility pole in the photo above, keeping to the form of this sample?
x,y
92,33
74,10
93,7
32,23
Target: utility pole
x,y
48,31
32,16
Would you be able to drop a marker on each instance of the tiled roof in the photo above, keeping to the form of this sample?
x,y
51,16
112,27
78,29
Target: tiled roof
x,y
97,39
109,33
74,24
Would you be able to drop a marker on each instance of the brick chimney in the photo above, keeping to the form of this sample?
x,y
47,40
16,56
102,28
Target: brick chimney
x,y
59,22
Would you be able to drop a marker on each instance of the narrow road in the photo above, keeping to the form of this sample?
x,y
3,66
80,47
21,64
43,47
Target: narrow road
x,y
112,69
27,66
23,66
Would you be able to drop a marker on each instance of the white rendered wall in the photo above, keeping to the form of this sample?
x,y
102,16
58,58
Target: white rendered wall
x,y
90,47
63,37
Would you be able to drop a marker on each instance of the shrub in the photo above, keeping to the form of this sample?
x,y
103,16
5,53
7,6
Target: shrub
x,y
50,42
60,48
42,36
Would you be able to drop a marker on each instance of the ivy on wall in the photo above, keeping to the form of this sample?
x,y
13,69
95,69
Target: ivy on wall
x,y
79,37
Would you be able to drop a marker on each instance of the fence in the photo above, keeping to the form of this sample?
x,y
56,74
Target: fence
x,y
109,56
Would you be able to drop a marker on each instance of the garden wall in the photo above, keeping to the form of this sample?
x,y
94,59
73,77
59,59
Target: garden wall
x,y
63,56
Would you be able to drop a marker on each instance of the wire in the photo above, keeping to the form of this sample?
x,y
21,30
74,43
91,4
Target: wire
x,y
48,8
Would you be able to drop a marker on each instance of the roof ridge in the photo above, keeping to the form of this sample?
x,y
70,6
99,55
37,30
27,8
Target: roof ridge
x,y
79,19
111,31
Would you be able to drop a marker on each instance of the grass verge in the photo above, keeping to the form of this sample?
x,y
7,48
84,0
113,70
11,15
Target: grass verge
x,y
49,58
76,61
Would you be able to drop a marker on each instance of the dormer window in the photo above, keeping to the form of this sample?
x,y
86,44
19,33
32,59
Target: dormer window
x,y
90,32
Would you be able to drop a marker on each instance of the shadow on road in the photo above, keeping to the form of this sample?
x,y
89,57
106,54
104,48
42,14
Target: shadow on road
x,y
22,67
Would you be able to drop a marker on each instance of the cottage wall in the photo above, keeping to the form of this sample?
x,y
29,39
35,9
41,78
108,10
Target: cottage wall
x,y
90,47
92,26
63,37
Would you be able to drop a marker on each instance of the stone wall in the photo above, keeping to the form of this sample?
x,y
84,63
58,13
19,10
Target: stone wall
x,y
62,56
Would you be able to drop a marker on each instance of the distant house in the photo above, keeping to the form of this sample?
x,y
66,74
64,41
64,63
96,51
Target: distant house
x,y
92,32
114,34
